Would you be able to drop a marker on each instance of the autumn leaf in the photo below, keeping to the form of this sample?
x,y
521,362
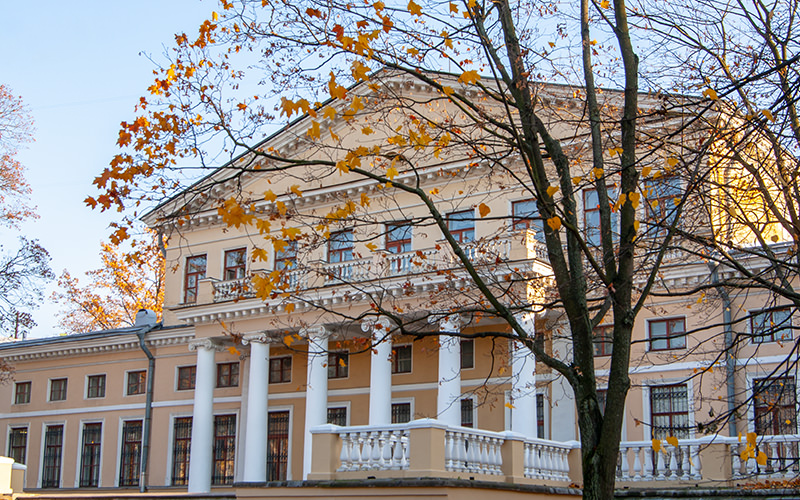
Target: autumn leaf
x,y
761,458
615,151
633,196
453,8
509,405
328,112
484,209
605,4
554,223
672,162
414,9
576,180
342,362
259,253
551,190
233,350
367,130
646,171
673,441
291,232
313,132
391,172
372,246
289,308
296,190
470,76
768,114
711,94
656,445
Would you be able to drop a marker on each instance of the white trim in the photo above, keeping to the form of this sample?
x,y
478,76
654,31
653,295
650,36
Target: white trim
x,y
79,451
125,382
410,401
177,377
42,443
290,409
340,404
86,385
171,445
647,414
750,378
123,407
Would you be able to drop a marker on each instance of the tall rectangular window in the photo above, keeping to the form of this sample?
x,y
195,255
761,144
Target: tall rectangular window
x,y
224,449
462,225
525,215
235,264
661,207
137,382
22,393
286,257
90,455
540,416
775,403
401,359
58,389
131,452
195,271
591,217
773,325
280,370
186,377
96,386
338,364
337,416
51,462
467,413
398,237
181,442
467,354
228,374
278,446
18,444
340,246
669,409
667,334
401,413
603,340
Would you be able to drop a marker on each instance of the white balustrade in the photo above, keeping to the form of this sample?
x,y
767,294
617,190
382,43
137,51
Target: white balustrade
x,y
473,451
233,289
419,261
639,462
374,448
546,460
348,271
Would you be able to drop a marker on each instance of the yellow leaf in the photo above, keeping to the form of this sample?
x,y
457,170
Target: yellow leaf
x,y
551,190
367,130
313,132
676,201
372,247
634,197
434,191
447,90
593,42
554,223
711,94
289,308
509,405
751,439
342,362
484,209
657,174
291,232
233,350
328,112
214,16
775,238
768,114
342,167
740,437
636,226
646,171
453,8
673,441
279,245
414,9
334,137
287,340
761,458
259,254
360,71
598,172
552,45
296,190
391,172
656,445
364,200
672,162
470,76
577,180
605,4
281,206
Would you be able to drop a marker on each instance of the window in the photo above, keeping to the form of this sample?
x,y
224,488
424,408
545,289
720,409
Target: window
x,y
235,264
401,413
660,206
130,453
337,416
181,442
278,446
286,258
22,393
340,246
96,386
467,413
90,455
398,238
603,338
540,416
224,448
401,359
228,374
18,444
280,370
771,325
137,382
602,396
186,377
467,354
51,464
58,389
337,364
775,403
667,334
462,226
195,271
591,216
669,407
525,215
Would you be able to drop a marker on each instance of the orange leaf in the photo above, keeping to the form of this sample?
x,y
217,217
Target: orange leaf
x,y
484,209
289,308
470,76
554,223
414,9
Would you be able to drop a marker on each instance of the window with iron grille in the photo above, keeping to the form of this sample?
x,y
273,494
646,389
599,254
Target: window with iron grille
x,y
467,413
280,370
130,453
137,382
235,264
195,271
58,389
525,215
338,364
540,416
669,409
228,374
775,404
51,463
224,448
186,377
401,359
340,246
461,225
771,325
603,340
278,446
90,455
181,443
467,354
667,334
96,386
337,416
398,237
22,393
18,444
401,413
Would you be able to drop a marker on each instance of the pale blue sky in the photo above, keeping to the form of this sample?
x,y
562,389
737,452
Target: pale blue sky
x,y
80,67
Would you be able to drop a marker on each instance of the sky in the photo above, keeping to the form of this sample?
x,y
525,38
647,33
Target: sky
x,y
80,67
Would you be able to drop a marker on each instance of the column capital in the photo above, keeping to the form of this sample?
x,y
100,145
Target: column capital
x,y
207,344
315,332
381,323
257,338
453,321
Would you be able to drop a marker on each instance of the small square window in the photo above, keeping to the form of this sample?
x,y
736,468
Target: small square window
x,y
137,382
337,416
467,354
235,264
22,393
525,215
280,370
186,377
401,359
667,334
401,413
462,226
603,340
228,374
58,389
96,386
340,246
771,325
338,363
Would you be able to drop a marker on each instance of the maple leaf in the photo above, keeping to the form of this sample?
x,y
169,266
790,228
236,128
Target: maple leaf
x,y
470,76
269,196
289,308
484,209
391,172
372,247
360,71
551,190
453,8
414,9
711,94
314,132
328,112
296,190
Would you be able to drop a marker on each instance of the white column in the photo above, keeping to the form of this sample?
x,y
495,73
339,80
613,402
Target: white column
x,y
523,383
448,402
255,451
202,445
316,387
380,373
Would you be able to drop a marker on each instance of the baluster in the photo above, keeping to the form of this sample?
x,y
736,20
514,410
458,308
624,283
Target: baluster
x,y
528,459
774,460
697,467
637,463
790,459
736,462
623,458
536,461
547,462
484,451
358,443
750,466
377,450
648,463
459,451
344,455
404,450
673,462
684,454
498,456
563,464
449,449
470,445
660,466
